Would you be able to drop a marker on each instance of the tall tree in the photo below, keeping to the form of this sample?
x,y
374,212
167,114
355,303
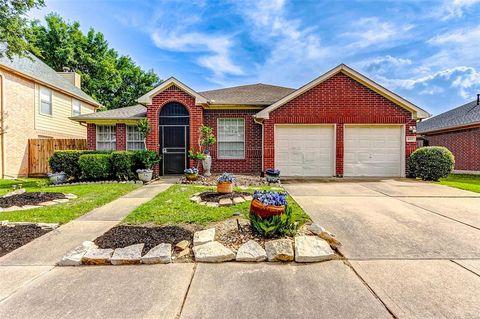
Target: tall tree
x,y
13,26
112,79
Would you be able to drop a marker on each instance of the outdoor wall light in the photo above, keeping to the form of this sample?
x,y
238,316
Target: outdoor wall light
x,y
412,129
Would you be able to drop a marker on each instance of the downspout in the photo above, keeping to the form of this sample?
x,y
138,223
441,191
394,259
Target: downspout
x,y
2,116
263,145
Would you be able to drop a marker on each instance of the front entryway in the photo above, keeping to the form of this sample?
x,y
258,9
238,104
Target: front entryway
x,y
174,136
304,150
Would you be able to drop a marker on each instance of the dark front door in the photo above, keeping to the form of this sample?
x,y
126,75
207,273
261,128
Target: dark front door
x,y
174,137
174,149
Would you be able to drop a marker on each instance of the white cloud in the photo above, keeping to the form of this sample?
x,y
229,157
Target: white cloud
x,y
215,49
462,36
455,9
373,31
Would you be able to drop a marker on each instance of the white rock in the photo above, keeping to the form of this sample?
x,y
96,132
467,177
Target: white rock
x,y
50,226
279,250
203,203
312,249
4,222
129,255
225,202
71,196
251,251
49,203
160,254
238,200
196,199
89,244
213,252
212,204
184,244
61,200
97,256
324,234
12,209
30,207
16,192
73,257
203,236
247,197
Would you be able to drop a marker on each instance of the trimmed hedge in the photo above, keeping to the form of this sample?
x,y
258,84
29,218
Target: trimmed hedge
x,y
123,165
67,162
95,166
431,163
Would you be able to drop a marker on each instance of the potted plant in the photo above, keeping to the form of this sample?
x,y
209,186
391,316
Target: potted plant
x,y
57,178
147,159
272,175
191,174
266,204
207,139
196,156
225,183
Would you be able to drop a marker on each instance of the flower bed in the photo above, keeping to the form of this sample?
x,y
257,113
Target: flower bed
x,y
15,235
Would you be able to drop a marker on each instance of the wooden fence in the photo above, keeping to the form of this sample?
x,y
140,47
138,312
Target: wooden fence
x,y
39,150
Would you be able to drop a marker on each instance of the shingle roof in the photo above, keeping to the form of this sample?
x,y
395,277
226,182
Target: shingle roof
x,y
124,113
254,94
460,116
35,68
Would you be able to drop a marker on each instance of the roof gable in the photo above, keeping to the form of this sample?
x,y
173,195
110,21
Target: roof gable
x,y
417,112
147,97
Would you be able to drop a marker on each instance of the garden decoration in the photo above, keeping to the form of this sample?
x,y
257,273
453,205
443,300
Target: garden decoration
x,y
207,139
148,159
56,178
225,183
266,204
191,174
272,175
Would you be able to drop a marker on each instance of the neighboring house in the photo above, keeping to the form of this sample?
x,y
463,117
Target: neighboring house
x,y
340,124
459,131
36,102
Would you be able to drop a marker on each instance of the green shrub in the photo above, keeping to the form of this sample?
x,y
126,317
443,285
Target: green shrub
x,y
279,225
123,165
67,162
431,163
146,159
95,166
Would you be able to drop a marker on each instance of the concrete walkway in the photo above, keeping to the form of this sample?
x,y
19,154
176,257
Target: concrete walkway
x,y
40,255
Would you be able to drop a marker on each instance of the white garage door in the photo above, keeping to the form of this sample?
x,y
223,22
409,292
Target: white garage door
x,y
304,150
373,151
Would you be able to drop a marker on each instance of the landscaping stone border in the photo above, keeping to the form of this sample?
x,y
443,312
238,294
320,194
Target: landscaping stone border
x,y
46,226
97,182
67,198
222,202
302,249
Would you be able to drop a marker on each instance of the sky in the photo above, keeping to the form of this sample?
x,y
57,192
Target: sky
x,y
426,51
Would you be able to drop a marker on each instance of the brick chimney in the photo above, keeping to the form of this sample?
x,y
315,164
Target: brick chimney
x,y
72,77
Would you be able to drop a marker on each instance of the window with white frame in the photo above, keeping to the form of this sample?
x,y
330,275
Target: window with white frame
x,y
106,138
45,101
134,138
231,138
76,107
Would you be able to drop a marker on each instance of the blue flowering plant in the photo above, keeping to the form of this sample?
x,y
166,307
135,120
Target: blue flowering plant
x,y
191,171
226,178
270,198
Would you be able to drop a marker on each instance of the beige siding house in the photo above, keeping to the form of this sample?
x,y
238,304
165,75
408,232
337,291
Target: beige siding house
x,y
36,102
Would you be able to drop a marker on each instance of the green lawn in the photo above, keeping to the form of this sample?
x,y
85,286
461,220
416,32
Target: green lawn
x,y
90,196
466,182
174,206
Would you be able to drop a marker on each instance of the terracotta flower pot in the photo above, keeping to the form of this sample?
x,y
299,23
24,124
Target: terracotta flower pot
x,y
191,177
264,211
224,187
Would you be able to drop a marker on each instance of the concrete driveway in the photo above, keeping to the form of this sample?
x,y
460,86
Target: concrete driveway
x,y
415,244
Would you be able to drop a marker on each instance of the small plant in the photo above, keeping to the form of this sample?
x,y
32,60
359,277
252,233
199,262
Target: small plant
x,y
147,159
191,170
42,184
271,198
278,225
207,138
144,129
273,171
196,156
226,178
431,163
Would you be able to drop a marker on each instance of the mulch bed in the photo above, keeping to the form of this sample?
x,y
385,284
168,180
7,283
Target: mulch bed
x,y
215,197
12,238
32,198
123,236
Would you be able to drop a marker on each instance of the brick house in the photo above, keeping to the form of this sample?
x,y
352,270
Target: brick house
x,y
459,131
340,124
36,102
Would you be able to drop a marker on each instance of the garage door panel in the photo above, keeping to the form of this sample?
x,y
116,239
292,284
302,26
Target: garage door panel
x,y
373,151
304,150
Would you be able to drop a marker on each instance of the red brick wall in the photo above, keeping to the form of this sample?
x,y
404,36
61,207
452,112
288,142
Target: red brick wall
x,y
121,136
91,136
464,144
340,100
173,94
253,142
